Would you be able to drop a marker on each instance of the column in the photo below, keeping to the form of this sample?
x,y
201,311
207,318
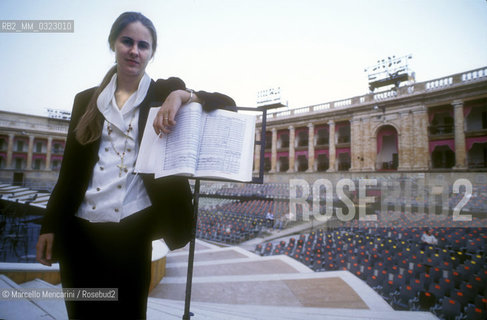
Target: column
x,y
355,154
256,152
10,150
369,146
30,152
311,148
405,142
274,150
292,149
460,153
425,139
48,153
420,140
331,144
361,141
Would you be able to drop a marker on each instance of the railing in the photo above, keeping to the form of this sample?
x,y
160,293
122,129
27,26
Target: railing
x,y
12,124
386,165
474,75
439,83
477,164
416,88
439,130
343,166
385,95
58,151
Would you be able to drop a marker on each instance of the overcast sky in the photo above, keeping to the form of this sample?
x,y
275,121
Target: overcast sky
x,y
316,51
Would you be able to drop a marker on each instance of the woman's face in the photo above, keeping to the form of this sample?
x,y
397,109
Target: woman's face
x,y
133,50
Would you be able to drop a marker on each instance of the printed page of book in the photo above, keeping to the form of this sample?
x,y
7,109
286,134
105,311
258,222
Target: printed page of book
x,y
227,146
174,153
149,146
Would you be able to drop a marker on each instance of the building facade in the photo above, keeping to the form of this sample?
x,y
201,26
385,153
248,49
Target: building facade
x,y
31,149
428,126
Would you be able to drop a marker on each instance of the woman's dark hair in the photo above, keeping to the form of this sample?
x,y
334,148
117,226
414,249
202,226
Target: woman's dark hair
x,y
90,125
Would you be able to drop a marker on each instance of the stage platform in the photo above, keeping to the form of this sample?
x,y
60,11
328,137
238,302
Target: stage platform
x,y
233,283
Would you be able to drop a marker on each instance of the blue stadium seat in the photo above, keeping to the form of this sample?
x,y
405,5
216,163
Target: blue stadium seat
x,y
450,309
404,298
474,313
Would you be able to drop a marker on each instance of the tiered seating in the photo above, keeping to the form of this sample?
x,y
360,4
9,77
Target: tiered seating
x,y
235,212
422,197
476,203
448,279
268,190
238,221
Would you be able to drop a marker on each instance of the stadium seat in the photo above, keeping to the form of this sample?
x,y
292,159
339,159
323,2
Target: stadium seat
x,y
404,298
481,302
460,297
426,300
437,289
373,281
389,290
435,273
450,309
447,284
474,313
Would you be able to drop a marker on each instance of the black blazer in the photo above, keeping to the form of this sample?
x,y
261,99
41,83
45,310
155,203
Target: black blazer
x,y
171,213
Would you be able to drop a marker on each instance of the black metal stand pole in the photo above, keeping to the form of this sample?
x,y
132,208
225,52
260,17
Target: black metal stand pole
x,y
189,278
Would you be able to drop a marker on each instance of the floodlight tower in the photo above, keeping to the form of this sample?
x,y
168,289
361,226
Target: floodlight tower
x,y
390,71
271,98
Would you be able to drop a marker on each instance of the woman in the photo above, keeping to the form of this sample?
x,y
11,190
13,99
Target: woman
x,y
101,218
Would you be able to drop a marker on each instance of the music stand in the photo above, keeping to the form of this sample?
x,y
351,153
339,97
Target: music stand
x,y
256,180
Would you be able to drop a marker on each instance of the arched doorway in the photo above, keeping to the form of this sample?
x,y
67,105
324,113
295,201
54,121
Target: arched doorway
x,y
387,148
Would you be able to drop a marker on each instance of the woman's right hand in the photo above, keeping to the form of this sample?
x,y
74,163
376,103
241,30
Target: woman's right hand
x,y
44,248
164,119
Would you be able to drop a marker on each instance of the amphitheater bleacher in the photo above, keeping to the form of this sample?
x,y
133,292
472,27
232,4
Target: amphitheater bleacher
x,y
401,268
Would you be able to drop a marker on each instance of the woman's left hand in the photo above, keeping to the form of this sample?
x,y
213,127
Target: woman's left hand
x,y
167,112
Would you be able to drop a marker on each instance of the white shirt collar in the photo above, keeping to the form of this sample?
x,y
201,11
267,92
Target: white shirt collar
x,y
107,105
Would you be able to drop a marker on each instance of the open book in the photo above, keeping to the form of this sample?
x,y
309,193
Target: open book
x,y
216,144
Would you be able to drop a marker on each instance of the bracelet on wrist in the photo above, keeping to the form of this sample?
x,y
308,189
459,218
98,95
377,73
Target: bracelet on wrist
x,y
191,92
